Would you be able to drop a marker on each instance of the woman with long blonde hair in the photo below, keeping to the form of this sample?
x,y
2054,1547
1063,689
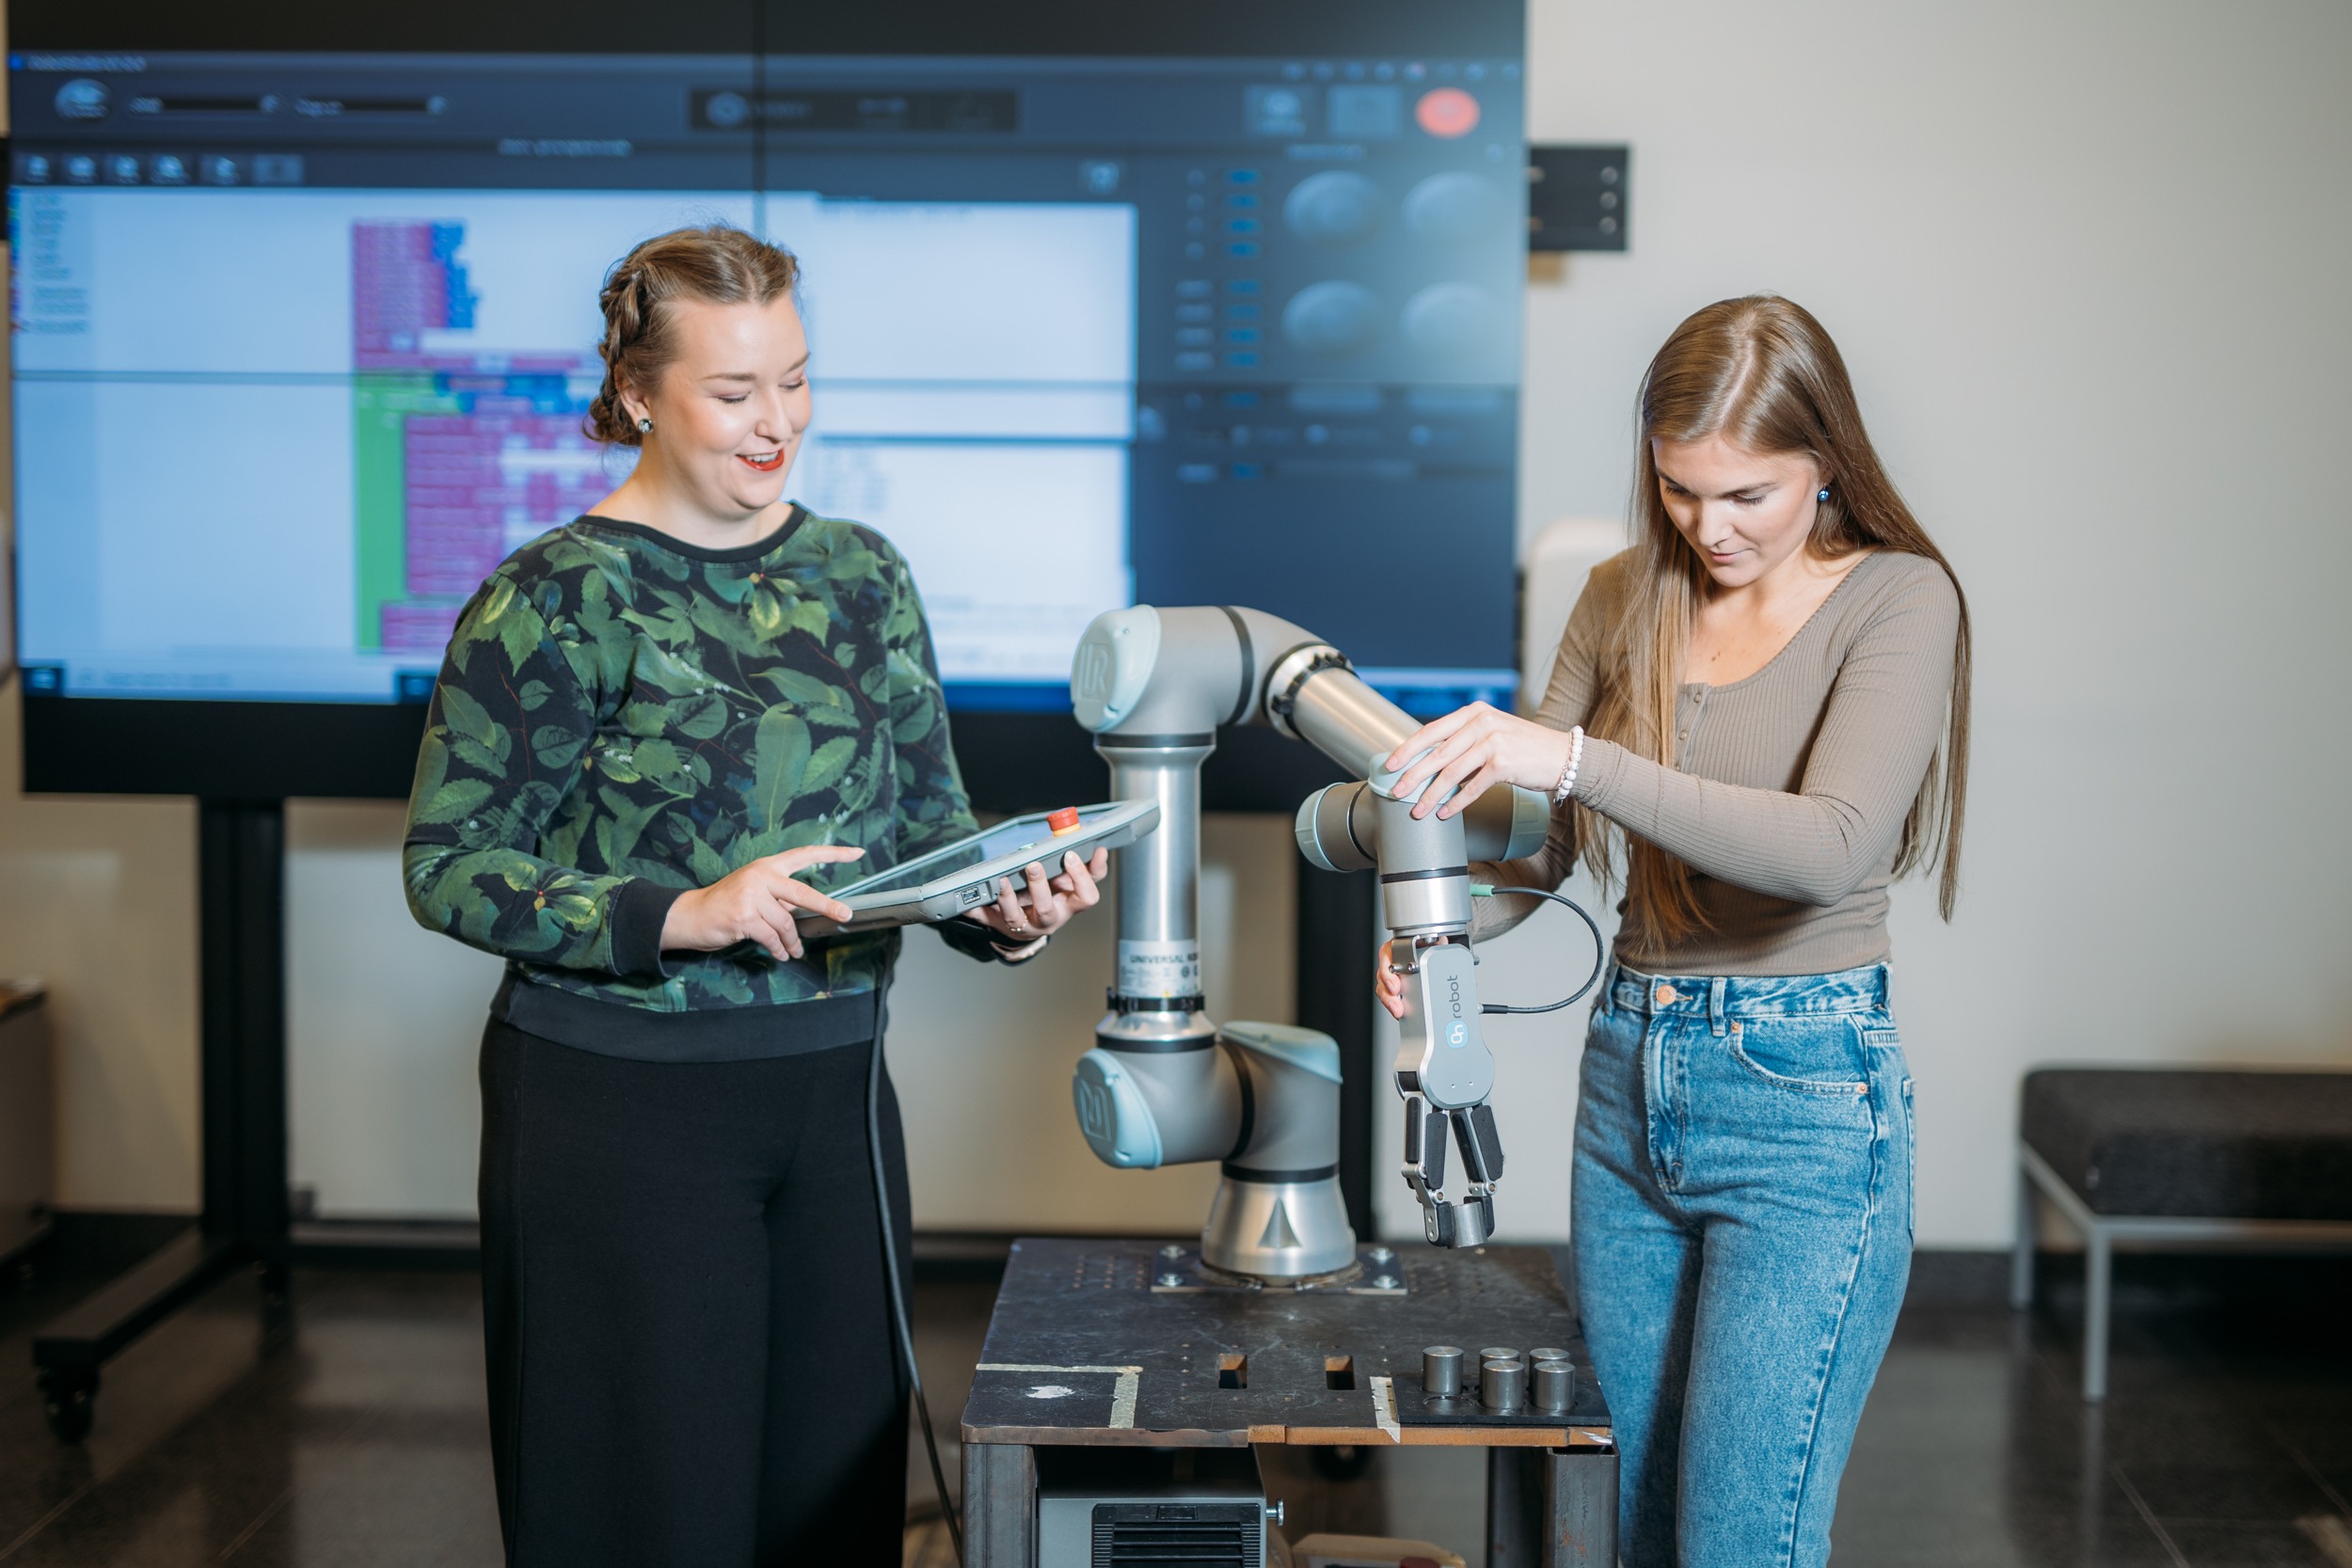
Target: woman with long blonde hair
x,y
1760,712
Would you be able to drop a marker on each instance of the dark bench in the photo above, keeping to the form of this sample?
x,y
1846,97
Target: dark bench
x,y
2165,1158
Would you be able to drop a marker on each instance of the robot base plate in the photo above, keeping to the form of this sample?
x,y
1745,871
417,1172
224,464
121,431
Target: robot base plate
x,y
1180,1269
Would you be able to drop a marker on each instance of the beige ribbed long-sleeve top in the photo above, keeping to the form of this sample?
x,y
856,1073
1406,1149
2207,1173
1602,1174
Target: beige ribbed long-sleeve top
x,y
1790,788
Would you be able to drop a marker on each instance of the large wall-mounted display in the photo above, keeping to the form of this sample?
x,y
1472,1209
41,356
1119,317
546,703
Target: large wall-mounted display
x,y
1102,308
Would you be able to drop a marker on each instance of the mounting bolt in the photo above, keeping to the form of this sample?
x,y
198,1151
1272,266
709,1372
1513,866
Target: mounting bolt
x,y
1385,1282
1169,1281
1171,1250
1381,1254
1274,1512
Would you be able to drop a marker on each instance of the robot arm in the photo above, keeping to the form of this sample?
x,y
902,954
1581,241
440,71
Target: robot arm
x,y
1154,684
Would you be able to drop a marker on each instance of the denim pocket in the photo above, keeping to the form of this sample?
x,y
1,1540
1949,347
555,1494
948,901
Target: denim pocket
x,y
1804,1053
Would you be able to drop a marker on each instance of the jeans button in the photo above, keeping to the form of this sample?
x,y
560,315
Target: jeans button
x,y
1666,996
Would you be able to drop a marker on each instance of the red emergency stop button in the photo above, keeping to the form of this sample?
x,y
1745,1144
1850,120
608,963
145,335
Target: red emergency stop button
x,y
1063,821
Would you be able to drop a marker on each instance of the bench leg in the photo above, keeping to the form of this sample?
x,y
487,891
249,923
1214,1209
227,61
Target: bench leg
x,y
2098,1282
1515,1505
999,1505
2021,1249
1580,1508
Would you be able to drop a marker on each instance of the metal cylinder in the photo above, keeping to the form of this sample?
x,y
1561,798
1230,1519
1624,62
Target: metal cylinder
x,y
1554,1387
1425,870
1498,1352
1156,986
1272,1229
1337,714
1502,1385
1441,1372
1158,885
1546,1353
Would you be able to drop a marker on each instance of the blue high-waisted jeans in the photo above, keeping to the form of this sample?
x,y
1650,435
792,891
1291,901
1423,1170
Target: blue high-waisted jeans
x,y
1742,1233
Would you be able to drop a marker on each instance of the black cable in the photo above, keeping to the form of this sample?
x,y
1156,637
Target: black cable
x,y
898,1291
1600,948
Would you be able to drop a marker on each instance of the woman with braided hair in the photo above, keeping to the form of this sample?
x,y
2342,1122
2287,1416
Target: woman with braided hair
x,y
661,730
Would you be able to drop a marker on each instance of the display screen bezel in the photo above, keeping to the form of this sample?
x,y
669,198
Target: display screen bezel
x,y
269,749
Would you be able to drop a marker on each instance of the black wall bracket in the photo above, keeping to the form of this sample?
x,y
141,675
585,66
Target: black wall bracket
x,y
1576,198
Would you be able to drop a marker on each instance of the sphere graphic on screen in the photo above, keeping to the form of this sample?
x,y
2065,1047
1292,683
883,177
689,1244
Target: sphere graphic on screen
x,y
1450,320
1332,318
82,98
1336,207
1456,207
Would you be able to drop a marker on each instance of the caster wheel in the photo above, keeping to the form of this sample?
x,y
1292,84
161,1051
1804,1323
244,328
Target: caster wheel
x,y
1345,1462
277,1281
70,1399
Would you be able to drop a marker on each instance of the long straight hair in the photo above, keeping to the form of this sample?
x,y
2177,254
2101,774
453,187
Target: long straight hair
x,y
1762,374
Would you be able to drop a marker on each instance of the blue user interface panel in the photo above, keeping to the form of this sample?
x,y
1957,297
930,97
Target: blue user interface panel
x,y
302,344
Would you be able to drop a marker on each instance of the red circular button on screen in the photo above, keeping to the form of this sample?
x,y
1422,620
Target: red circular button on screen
x,y
1446,112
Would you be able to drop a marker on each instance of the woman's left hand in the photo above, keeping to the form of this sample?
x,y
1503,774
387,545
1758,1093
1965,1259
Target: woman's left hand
x,y
1020,916
1473,749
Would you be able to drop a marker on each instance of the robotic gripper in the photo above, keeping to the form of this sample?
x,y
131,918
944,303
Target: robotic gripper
x,y
1164,1085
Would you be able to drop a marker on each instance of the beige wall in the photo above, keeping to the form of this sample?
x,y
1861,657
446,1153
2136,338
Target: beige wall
x,y
99,898
2085,260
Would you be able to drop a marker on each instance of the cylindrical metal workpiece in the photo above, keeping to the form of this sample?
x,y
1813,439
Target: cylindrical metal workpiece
x,y
1499,1353
1546,1353
1441,1372
1502,1385
1554,1387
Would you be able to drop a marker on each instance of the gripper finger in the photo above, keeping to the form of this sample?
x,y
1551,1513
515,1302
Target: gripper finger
x,y
1481,1144
1424,1144
1433,1150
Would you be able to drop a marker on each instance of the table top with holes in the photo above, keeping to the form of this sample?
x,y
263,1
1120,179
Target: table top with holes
x,y
1088,1346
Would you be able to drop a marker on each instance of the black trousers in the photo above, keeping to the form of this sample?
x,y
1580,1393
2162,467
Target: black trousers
x,y
691,1353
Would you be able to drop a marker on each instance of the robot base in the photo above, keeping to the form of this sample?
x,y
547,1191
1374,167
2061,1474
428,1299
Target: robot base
x,y
1276,1230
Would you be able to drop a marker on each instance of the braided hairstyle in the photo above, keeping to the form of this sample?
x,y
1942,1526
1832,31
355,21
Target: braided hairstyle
x,y
716,264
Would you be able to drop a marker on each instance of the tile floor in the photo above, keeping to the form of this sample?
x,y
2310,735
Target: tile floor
x,y
361,1442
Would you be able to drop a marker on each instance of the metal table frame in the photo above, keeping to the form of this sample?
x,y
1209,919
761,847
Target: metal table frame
x,y
2103,1233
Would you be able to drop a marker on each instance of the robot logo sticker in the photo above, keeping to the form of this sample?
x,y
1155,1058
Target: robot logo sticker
x,y
1094,1109
1159,969
1090,673
1457,1033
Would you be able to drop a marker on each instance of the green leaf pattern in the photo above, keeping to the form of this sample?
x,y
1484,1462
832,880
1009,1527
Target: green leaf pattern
x,y
613,709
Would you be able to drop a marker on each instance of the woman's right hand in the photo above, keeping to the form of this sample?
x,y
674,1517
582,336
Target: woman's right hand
x,y
756,904
1388,986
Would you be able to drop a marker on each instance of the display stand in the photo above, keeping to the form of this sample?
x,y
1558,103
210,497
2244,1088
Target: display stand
x,y
1117,1343
240,904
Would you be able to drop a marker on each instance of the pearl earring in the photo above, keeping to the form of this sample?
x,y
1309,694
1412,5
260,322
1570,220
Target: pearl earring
x,y
644,427
1822,496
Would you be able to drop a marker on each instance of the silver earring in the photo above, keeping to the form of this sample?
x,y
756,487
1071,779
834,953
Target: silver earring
x,y
644,427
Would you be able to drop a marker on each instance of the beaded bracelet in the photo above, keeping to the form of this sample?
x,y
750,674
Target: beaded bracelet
x,y
1568,775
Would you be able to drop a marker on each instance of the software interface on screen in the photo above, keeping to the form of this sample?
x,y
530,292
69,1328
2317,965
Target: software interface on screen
x,y
302,344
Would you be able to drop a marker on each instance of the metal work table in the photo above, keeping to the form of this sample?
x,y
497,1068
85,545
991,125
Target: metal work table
x,y
1109,1343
